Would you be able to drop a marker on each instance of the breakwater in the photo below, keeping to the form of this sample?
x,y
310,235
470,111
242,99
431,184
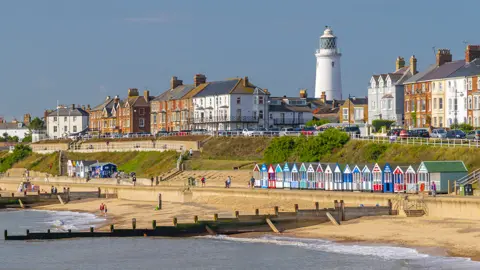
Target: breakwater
x,y
277,222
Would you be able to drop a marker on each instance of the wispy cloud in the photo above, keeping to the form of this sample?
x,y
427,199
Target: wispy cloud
x,y
162,18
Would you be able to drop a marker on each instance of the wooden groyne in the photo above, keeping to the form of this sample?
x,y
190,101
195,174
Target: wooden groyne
x,y
277,222
29,199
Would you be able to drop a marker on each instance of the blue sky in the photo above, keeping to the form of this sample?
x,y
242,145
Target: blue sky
x,y
81,51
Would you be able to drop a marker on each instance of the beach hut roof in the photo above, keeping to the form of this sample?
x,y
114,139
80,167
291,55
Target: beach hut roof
x,y
319,168
410,170
270,169
294,167
311,167
303,168
366,168
347,169
278,168
356,169
286,167
256,168
443,166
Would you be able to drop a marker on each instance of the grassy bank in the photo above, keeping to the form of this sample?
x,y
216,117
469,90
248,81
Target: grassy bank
x,y
145,164
238,148
41,163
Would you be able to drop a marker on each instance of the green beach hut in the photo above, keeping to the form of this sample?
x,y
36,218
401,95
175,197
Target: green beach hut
x,y
440,172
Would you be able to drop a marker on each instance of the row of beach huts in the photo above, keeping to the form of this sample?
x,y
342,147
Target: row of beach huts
x,y
90,169
388,177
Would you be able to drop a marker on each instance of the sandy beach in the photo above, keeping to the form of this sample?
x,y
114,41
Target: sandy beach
x,y
447,237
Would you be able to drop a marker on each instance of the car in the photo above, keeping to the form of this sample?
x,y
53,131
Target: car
x,y
456,134
439,133
308,131
184,132
473,135
352,131
252,132
286,131
199,132
394,132
162,133
404,133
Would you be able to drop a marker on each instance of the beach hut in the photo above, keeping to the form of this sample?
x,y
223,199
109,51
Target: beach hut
x,y
295,177
410,179
337,177
399,179
328,173
271,177
440,172
347,178
70,167
387,178
377,178
279,176
303,176
367,179
320,177
287,176
84,168
264,176
103,169
311,177
356,178
257,176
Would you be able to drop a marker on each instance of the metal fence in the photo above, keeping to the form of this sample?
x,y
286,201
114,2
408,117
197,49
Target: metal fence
x,y
437,142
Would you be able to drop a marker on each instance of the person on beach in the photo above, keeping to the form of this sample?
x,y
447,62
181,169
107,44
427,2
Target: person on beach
x,y
134,180
203,181
252,182
52,190
105,209
46,178
102,207
151,180
434,189
229,182
191,152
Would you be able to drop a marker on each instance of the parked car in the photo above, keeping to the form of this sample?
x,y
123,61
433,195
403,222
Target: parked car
x,y
354,130
394,132
439,133
162,133
455,134
199,132
473,135
309,131
286,131
252,132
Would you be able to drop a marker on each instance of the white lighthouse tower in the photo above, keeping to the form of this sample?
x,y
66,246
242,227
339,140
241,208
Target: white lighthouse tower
x,y
328,78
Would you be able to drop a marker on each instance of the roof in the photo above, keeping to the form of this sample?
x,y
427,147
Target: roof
x,y
175,93
68,112
229,86
289,108
417,77
469,69
443,71
445,166
98,164
359,101
107,103
12,126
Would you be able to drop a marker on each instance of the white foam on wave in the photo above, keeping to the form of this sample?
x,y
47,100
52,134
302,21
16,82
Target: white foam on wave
x,y
68,220
384,252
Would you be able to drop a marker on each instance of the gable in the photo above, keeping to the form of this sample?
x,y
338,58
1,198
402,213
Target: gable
x,y
356,169
422,168
319,168
294,168
302,168
398,170
278,169
347,169
376,168
366,169
328,169
286,168
264,168
387,168
256,168
337,169
310,168
270,169
410,170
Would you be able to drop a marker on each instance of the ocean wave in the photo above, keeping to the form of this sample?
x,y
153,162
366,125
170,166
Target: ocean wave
x,y
381,251
69,220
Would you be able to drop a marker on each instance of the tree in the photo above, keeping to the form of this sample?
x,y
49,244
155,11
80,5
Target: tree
x,y
379,123
27,138
36,124
463,127
316,122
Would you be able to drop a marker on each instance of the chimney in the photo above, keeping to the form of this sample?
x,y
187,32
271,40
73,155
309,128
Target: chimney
x,y
88,107
132,92
400,63
413,65
245,81
199,79
303,93
323,97
443,56
83,107
472,52
72,106
175,82
27,119
266,91
117,99
146,95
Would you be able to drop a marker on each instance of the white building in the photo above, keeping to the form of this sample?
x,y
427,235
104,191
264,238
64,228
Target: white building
x,y
385,94
328,75
66,121
14,129
456,98
230,104
289,112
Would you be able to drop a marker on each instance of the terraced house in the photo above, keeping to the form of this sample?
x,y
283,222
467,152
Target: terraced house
x,y
131,115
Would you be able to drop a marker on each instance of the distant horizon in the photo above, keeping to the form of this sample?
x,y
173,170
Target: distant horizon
x,y
80,52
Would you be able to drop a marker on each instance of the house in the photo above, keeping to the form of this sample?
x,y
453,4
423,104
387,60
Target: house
x,y
65,121
230,104
289,111
386,95
14,129
354,110
130,115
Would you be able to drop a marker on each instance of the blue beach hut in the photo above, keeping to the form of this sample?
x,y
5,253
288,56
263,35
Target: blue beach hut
x,y
311,177
303,176
295,177
387,178
264,173
347,178
287,176
280,176
356,178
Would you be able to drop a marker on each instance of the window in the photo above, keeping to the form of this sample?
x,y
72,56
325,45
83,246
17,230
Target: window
x,y
254,114
210,101
423,105
373,105
210,116
430,105
55,119
74,118
455,104
74,129
239,100
345,114
412,106
260,100
433,86
450,104
464,103
201,102
216,100
469,84
358,112
469,102
434,121
271,116
440,86
440,121
104,124
435,103
65,128
141,122
470,120
260,114
142,111
423,87
449,84
407,105
54,128
154,119
440,103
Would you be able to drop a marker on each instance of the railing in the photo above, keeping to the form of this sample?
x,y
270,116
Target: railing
x,y
440,142
469,178
224,119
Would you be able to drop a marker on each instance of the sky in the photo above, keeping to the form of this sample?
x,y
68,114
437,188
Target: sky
x,y
78,52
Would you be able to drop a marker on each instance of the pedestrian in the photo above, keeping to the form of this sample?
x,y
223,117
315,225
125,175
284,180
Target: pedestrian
x,y
229,182
46,178
33,187
105,209
203,181
55,190
102,207
191,152
252,182
151,180
134,180
64,190
52,190
434,189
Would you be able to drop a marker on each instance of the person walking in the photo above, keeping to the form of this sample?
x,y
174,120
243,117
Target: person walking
x,y
105,210
203,180
229,182
434,189
134,180
191,152
46,178
252,182
151,180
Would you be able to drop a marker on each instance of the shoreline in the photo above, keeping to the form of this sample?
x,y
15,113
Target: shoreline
x,y
435,237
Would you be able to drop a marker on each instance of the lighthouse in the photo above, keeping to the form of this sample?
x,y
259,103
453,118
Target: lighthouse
x,y
328,77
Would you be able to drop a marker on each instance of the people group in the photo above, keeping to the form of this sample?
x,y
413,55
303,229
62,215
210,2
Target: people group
x,y
103,209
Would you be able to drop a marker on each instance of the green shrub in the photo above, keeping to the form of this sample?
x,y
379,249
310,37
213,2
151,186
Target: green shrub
x,y
373,151
316,122
464,127
20,152
379,123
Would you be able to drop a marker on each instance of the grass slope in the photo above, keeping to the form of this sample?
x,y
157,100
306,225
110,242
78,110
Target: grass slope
x,y
145,164
40,163
238,148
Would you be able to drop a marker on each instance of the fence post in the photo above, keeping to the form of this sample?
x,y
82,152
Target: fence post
x,y
390,206
296,208
215,217
134,223
276,210
237,213
342,209
317,206
257,212
175,221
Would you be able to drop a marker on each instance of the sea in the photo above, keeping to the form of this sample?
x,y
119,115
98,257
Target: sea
x,y
219,252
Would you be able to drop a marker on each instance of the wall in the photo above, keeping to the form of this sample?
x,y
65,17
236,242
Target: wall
x,y
37,147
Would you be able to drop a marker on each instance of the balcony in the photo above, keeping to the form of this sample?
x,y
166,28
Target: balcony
x,y
224,119
288,121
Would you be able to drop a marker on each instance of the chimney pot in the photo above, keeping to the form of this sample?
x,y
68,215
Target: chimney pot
x,y
400,63
472,52
73,106
199,79
413,65
175,82
443,56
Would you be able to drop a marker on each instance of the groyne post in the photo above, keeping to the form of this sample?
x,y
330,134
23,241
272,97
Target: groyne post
x,y
175,221
134,223
5,234
28,232
257,212
154,224
215,217
276,210
342,210
99,193
390,207
296,208
91,230
337,210
237,214
159,201
48,231
195,219
112,227
317,206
